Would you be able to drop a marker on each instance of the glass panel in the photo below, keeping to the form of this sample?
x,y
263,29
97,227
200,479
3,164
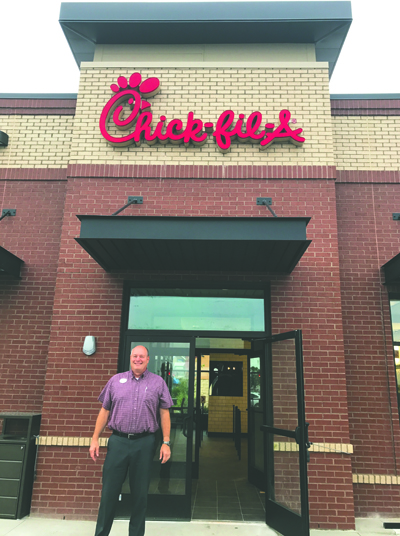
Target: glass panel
x,y
255,382
285,414
287,473
195,312
170,360
258,453
194,438
395,317
231,344
395,314
204,385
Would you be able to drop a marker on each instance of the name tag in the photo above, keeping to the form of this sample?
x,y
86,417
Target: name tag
x,y
123,380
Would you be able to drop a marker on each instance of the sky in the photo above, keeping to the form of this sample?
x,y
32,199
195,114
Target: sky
x,y
36,57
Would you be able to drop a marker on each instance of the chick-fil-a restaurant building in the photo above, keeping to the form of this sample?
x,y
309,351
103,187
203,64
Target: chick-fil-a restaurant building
x,y
206,196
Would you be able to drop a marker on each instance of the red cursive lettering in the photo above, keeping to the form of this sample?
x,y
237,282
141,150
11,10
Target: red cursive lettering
x,y
283,132
195,132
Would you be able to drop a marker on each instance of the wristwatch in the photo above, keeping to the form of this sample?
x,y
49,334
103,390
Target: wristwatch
x,y
167,443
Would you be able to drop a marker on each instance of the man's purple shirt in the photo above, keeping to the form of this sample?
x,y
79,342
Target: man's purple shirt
x,y
134,404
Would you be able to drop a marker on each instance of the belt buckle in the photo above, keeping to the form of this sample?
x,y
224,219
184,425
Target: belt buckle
x,y
131,436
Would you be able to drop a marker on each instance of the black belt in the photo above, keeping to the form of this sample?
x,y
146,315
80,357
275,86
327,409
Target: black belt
x,y
131,436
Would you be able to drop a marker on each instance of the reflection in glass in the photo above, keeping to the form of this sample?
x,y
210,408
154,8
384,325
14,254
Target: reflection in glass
x,y
255,382
287,473
395,317
397,367
395,314
285,414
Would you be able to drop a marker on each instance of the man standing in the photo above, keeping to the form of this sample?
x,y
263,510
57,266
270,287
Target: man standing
x,y
133,405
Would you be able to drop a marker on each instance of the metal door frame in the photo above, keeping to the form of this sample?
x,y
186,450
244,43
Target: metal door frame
x,y
279,517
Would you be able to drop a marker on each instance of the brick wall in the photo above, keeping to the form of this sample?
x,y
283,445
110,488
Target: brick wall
x,y
88,301
330,492
26,305
376,499
368,237
70,488
208,92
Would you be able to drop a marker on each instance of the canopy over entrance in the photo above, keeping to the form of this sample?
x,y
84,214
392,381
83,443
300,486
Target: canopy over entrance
x,y
10,265
120,243
392,270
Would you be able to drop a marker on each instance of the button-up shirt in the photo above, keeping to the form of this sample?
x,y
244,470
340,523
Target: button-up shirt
x,y
134,404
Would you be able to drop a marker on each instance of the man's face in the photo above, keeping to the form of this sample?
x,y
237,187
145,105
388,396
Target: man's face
x,y
139,360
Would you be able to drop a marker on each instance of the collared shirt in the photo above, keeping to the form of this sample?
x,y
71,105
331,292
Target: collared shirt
x,y
134,403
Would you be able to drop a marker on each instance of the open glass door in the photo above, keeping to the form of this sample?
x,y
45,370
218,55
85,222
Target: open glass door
x,y
285,432
170,484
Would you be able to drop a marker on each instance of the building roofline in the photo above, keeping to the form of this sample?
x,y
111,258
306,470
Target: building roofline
x,y
365,96
325,24
42,96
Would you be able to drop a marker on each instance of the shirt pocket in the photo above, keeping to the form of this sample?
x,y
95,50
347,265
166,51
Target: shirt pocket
x,y
151,399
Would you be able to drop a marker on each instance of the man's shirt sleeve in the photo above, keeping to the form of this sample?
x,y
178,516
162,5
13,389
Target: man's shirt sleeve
x,y
105,396
165,398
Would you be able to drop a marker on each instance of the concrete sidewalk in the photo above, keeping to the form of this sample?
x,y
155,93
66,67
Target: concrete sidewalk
x,y
36,526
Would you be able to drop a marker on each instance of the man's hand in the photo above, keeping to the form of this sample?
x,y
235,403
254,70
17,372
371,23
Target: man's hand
x,y
165,453
94,449
101,422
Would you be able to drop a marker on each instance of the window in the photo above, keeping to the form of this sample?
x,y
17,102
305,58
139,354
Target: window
x,y
395,316
197,309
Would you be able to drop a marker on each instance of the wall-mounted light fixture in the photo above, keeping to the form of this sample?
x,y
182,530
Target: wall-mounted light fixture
x,y
3,139
89,345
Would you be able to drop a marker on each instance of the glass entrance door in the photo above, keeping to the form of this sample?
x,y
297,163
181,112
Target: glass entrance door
x,y
255,409
170,485
285,432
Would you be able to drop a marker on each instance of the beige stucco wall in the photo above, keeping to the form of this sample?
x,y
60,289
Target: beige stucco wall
x,y
223,52
38,141
208,92
367,143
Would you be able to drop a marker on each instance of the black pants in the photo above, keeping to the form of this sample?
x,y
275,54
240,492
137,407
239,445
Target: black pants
x,y
123,455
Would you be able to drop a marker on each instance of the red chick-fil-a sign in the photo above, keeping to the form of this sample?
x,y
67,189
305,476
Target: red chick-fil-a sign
x,y
193,131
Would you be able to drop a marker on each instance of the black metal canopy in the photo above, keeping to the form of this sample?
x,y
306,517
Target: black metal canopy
x,y
392,270
120,243
324,24
10,265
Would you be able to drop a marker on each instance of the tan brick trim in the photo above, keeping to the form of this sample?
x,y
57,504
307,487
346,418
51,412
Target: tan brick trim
x,y
387,480
329,448
55,441
283,446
